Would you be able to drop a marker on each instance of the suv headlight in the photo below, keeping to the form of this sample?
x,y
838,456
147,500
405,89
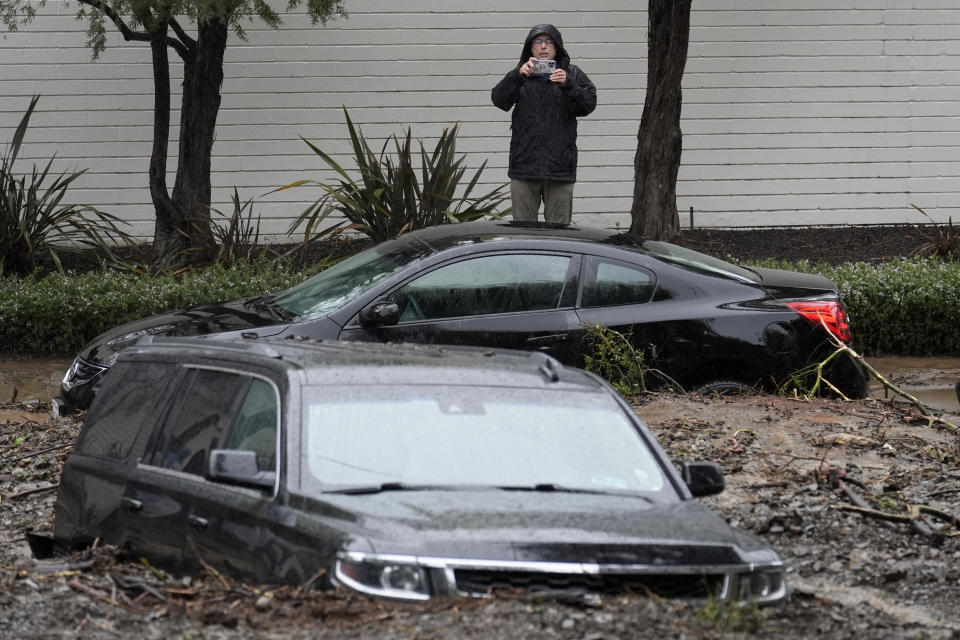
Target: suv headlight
x,y
400,580
763,586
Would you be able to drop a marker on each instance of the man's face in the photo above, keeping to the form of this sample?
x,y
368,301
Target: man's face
x,y
543,47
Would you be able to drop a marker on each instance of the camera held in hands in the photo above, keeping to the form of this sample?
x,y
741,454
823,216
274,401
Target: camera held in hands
x,y
544,67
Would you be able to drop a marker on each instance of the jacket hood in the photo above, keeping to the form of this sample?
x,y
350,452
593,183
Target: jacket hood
x,y
563,59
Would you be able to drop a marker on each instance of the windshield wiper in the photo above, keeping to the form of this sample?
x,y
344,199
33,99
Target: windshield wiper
x,y
379,488
552,487
267,303
546,487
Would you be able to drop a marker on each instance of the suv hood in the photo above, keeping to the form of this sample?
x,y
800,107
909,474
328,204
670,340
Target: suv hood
x,y
544,527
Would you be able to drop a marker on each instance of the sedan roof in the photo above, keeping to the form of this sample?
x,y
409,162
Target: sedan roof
x,y
443,236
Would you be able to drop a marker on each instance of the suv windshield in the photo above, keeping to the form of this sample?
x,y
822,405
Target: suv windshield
x,y
459,436
334,287
690,259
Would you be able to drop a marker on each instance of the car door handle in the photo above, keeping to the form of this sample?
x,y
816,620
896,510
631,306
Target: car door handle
x,y
197,522
545,342
131,505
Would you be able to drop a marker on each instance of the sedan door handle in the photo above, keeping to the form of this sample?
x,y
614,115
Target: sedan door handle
x,y
131,505
197,522
545,342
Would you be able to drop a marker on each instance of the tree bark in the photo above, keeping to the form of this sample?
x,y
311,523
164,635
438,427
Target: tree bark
x,y
183,233
165,223
659,141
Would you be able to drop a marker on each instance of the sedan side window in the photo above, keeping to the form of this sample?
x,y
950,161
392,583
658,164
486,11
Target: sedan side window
x,y
505,283
609,283
200,423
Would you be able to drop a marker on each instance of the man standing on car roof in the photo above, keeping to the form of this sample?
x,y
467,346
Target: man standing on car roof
x,y
543,144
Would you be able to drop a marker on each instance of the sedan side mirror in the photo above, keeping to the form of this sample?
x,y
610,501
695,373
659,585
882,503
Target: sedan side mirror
x,y
703,478
239,467
382,313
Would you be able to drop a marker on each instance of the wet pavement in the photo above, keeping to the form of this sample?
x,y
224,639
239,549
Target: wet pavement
x,y
930,380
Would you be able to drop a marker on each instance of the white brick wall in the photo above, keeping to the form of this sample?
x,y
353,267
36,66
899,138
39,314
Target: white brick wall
x,y
819,113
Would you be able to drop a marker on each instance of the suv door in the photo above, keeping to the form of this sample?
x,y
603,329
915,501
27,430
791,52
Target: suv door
x,y
508,300
233,527
162,489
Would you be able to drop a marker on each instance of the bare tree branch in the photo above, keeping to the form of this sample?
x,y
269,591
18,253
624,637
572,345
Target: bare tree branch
x,y
185,38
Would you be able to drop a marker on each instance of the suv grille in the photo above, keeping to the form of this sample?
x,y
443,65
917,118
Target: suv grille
x,y
663,585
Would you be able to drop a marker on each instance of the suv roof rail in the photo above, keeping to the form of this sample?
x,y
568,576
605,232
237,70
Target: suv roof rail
x,y
547,366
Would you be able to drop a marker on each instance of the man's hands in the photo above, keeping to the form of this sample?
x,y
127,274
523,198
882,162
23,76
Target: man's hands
x,y
559,75
527,67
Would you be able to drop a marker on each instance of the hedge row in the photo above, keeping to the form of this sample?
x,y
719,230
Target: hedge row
x,y
903,307
58,314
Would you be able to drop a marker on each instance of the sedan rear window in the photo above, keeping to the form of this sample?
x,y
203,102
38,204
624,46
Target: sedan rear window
x,y
696,261
466,437
607,283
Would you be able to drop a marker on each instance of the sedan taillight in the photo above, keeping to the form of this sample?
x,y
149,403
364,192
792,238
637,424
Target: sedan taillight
x,y
827,313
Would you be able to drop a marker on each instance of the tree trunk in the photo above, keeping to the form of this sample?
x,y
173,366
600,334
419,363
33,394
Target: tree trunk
x,y
165,246
659,140
183,233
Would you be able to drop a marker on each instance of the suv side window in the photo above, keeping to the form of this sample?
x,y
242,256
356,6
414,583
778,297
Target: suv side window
x,y
506,283
207,409
608,283
255,428
127,402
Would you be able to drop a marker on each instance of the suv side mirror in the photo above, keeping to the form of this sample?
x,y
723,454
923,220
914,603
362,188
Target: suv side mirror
x,y
239,467
703,478
381,313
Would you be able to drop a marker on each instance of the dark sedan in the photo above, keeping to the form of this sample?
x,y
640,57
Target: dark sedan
x,y
403,471
697,320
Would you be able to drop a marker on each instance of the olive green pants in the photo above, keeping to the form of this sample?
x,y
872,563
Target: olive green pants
x,y
557,198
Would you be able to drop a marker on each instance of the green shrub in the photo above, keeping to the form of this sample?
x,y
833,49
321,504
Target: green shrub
x,y
908,306
34,220
59,313
238,235
389,196
612,357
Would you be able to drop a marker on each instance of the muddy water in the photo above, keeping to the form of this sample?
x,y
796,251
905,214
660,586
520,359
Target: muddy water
x,y
930,380
31,379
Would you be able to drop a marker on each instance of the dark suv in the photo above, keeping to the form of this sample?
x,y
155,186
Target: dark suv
x,y
403,471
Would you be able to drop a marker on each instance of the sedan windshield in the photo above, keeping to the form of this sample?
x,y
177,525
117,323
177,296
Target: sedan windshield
x,y
453,436
331,289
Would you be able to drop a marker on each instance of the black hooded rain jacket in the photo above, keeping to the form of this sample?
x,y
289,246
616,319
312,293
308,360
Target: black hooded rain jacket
x,y
543,145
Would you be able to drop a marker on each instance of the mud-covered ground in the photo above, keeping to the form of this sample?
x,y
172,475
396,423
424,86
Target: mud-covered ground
x,y
860,498
796,471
